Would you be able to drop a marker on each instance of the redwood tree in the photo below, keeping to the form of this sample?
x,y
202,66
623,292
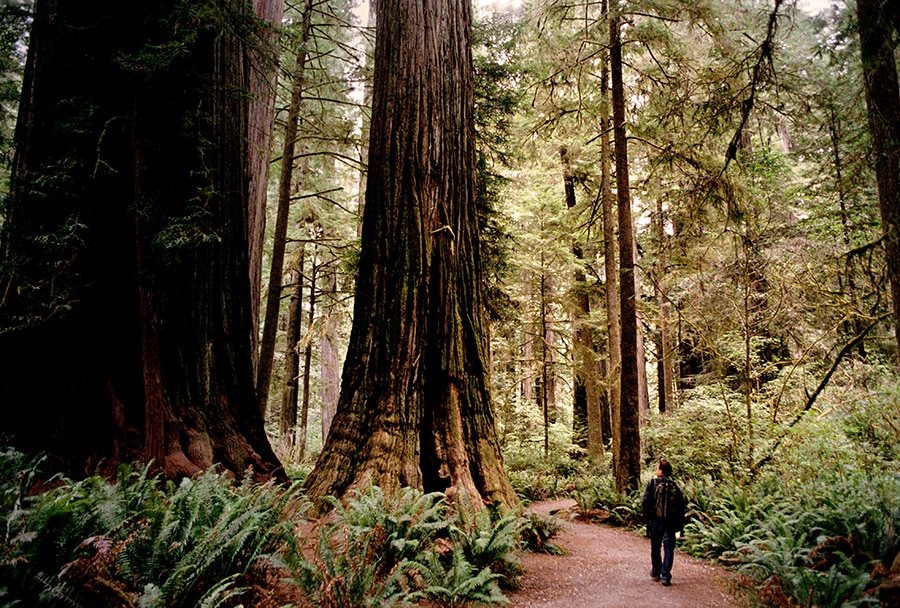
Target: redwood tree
x,y
626,421
414,408
126,314
877,20
614,330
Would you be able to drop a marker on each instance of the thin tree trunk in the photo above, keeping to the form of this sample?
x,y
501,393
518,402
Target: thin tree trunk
x,y
666,385
527,365
600,385
883,103
263,85
582,416
331,371
289,395
627,424
643,389
307,358
273,295
364,130
549,343
854,326
545,352
610,264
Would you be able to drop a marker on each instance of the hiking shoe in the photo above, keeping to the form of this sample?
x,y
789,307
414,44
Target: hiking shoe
x,y
666,583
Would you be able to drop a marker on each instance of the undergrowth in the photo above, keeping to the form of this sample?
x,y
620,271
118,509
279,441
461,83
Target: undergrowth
x,y
137,541
210,541
817,524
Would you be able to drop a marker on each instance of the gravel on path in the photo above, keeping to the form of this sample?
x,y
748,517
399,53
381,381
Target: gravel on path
x,y
606,567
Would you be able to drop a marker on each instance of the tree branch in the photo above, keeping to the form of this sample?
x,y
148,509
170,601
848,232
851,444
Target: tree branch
x,y
811,399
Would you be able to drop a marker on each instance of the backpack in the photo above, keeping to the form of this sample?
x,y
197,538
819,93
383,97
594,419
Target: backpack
x,y
668,501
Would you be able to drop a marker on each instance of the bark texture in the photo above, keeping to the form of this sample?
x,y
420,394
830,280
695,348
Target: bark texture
x,y
626,422
414,408
877,19
290,391
330,378
610,267
126,242
583,419
263,83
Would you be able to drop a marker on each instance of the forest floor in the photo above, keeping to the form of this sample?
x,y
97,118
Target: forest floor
x,y
607,567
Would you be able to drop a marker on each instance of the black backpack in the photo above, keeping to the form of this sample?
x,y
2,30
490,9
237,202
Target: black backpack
x,y
668,501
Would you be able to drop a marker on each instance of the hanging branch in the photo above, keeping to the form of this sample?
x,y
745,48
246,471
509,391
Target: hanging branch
x,y
765,56
811,399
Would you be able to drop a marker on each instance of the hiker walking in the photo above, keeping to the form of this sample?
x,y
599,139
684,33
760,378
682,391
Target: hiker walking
x,y
663,508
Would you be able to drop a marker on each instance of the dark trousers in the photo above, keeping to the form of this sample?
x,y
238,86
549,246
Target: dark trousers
x,y
661,537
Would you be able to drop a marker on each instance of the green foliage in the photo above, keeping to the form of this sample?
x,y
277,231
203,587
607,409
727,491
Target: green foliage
x,y
534,488
536,531
380,551
15,16
87,542
404,524
487,539
208,541
874,429
173,38
543,477
598,494
457,583
348,571
816,539
816,523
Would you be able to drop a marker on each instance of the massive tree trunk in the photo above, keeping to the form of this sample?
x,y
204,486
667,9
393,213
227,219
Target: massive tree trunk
x,y
414,408
126,312
876,20
626,425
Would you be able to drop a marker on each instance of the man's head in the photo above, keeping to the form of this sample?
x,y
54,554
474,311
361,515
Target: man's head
x,y
664,468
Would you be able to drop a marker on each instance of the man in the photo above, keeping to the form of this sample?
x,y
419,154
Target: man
x,y
663,508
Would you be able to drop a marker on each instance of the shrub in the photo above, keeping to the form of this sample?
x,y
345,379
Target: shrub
x,y
488,539
451,580
818,541
98,543
600,496
536,531
381,552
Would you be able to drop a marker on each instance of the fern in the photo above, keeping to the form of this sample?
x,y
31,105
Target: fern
x,y
488,540
536,531
198,543
457,584
345,572
405,524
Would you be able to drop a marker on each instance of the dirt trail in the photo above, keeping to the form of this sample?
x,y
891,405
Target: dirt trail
x,y
609,567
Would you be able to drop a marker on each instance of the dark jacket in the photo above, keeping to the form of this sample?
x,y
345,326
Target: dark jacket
x,y
675,518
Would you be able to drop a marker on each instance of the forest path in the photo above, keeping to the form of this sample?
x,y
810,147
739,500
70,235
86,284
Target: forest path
x,y
606,567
